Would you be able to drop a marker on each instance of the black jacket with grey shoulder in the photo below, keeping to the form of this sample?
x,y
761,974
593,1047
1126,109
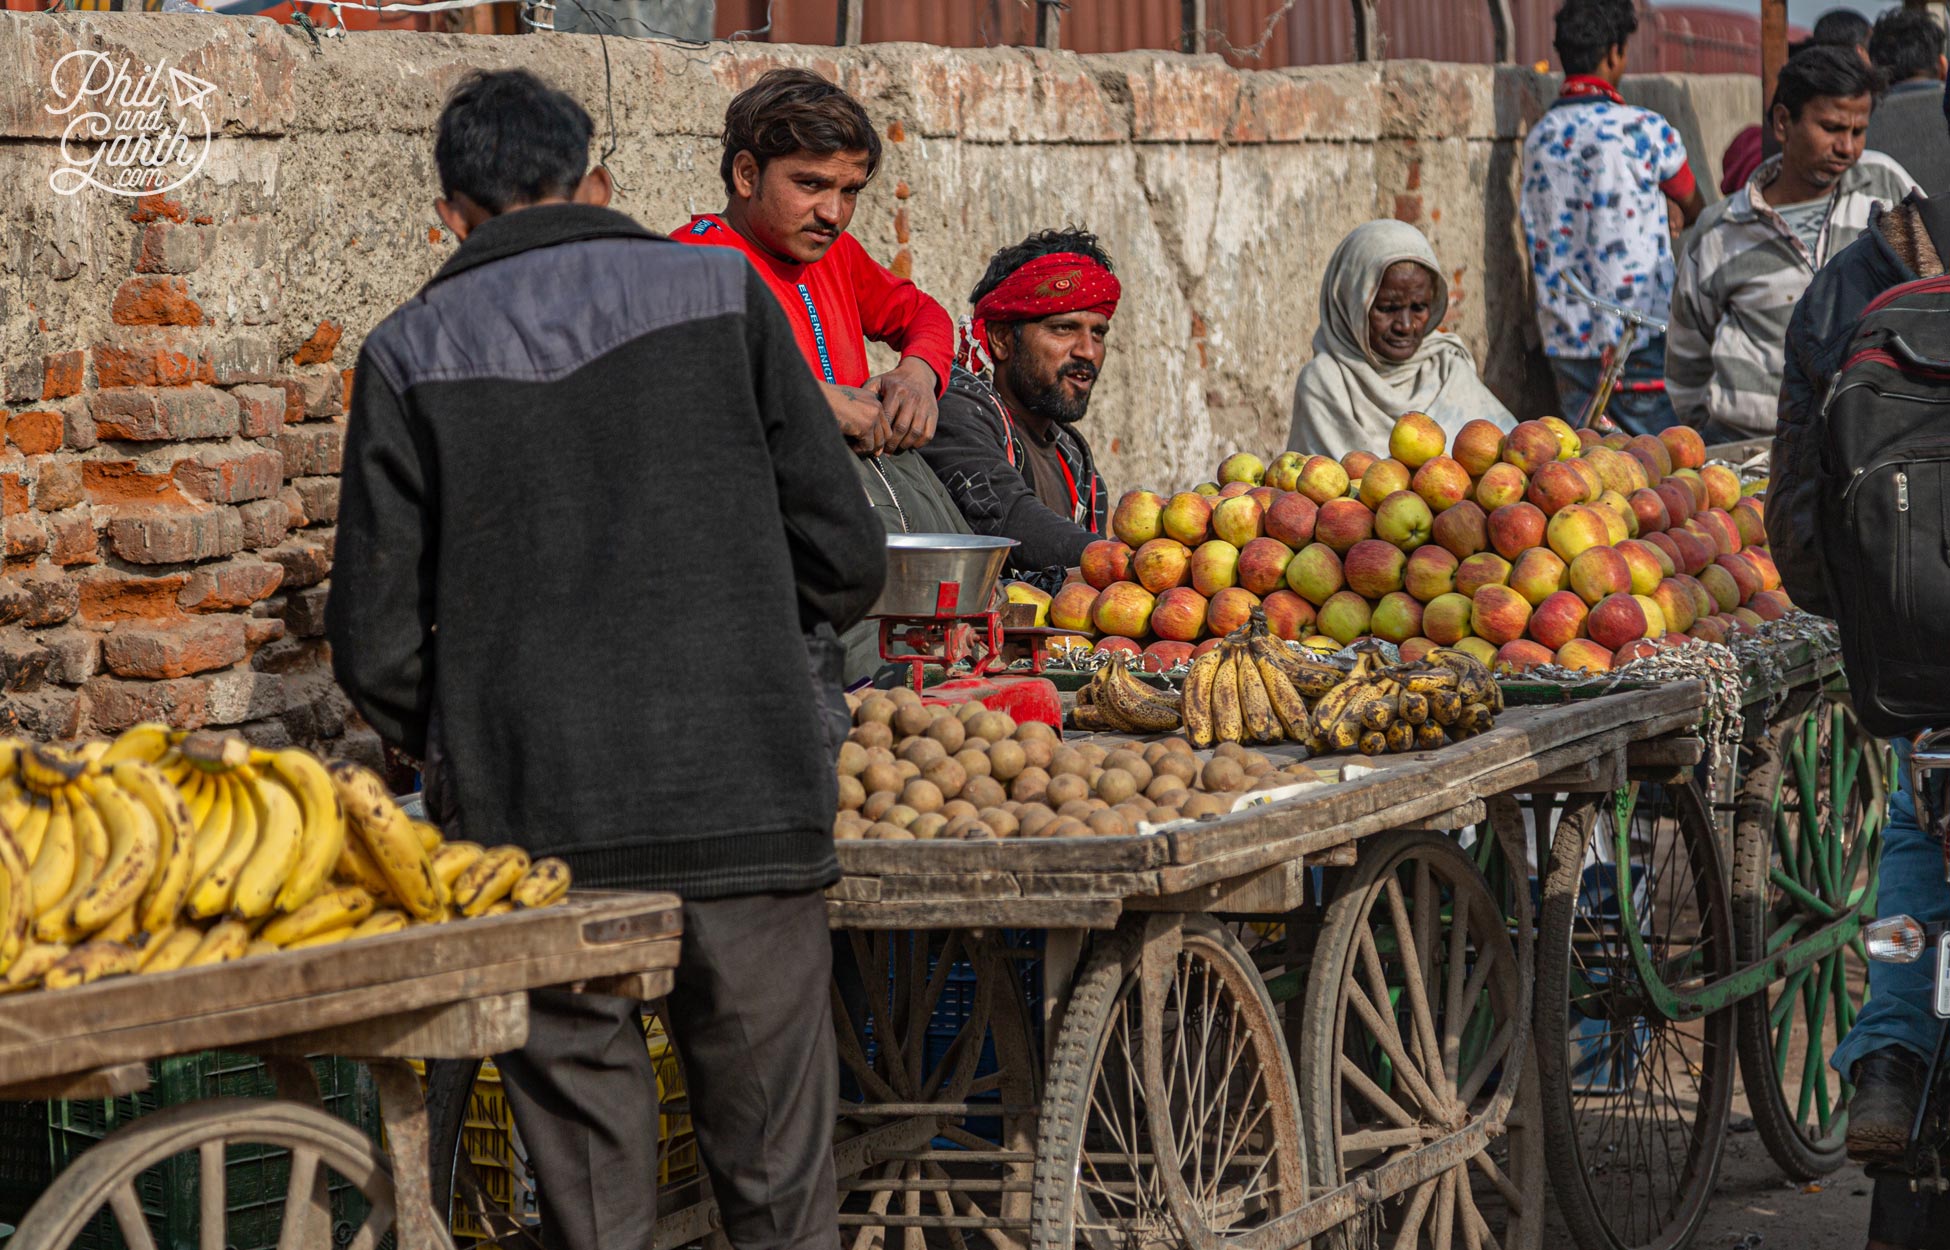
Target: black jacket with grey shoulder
x,y
592,503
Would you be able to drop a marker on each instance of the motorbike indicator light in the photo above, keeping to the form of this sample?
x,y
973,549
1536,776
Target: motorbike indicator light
x,y
1894,939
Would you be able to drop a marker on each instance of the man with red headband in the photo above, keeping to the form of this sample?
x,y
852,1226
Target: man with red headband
x,y
1007,447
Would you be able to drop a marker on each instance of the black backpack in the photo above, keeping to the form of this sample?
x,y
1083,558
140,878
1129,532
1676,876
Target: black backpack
x,y
1885,478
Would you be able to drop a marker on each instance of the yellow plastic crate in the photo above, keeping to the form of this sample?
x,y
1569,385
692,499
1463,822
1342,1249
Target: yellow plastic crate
x,y
489,1140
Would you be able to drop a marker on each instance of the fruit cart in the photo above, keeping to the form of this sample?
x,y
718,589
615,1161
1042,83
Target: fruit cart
x,y
449,989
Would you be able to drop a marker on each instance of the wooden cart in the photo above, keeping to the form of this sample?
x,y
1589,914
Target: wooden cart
x,y
452,989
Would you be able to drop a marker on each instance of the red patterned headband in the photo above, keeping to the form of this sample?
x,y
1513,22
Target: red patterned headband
x,y
1058,283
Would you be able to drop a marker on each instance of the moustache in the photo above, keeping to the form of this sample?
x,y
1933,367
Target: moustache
x,y
1083,373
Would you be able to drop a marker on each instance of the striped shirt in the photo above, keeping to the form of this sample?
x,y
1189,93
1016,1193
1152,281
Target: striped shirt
x,y
1740,273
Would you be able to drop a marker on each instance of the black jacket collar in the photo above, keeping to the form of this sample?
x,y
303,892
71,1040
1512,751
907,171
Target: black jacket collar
x,y
545,225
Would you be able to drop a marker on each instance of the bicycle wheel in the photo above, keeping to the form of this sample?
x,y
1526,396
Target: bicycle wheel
x,y
1807,837
1635,1102
1410,1019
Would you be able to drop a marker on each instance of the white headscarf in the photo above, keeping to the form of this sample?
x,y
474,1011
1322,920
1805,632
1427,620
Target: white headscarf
x,y
1348,398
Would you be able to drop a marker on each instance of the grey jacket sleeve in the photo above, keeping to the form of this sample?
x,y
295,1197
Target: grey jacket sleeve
x,y
970,456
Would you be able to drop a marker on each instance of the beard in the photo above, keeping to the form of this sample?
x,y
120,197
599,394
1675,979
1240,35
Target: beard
x,y
1047,398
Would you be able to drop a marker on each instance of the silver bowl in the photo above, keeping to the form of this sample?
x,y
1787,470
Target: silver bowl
x,y
940,575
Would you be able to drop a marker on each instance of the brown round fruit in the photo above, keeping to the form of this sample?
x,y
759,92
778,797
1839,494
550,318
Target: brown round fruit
x,y
948,776
995,726
1068,760
876,709
923,795
948,732
851,794
922,752
1035,731
1203,805
928,826
880,777
959,827
1003,823
1067,827
1162,787
1155,752
1093,753
1110,824
1038,752
853,759
907,769
884,832
1179,745
877,804
1183,767
1033,819
872,734
1066,786
1231,750
1116,785
984,792
957,807
1006,759
1132,763
903,696
912,719
1076,809
968,711
1220,773
1162,815
974,763
901,814
1030,785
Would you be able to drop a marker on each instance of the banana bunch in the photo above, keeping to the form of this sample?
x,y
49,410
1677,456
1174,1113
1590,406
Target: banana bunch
x,y
1118,702
1253,688
161,850
1418,706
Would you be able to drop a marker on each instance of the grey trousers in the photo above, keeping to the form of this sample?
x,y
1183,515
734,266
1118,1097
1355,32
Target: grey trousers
x,y
751,1017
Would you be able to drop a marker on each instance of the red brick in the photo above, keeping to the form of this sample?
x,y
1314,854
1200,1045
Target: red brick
x,y
24,661
345,390
303,611
229,586
319,496
176,535
243,358
294,505
115,704
62,374
162,357
312,396
35,433
77,654
123,482
260,409
80,424
148,300
318,349
264,522
260,630
25,536
312,450
44,716
14,601
193,645
306,561
232,474
107,597
157,207
164,248
51,599
14,494
144,414
72,538
57,485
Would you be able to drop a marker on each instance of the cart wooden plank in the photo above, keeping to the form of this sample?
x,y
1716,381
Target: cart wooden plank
x,y
44,1035
978,913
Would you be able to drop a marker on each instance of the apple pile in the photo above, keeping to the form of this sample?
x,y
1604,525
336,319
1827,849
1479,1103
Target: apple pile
x,y
1543,545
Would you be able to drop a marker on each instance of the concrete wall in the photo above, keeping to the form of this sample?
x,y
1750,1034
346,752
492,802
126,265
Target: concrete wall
x,y
169,522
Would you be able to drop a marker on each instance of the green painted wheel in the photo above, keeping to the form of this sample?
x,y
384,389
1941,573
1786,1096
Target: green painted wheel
x,y
1807,835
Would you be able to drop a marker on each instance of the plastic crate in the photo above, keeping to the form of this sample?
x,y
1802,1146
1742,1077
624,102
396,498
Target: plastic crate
x,y
493,1145
26,1160
255,1176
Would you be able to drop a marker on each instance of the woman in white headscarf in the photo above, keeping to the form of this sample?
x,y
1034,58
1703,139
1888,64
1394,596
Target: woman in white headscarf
x,y
1378,354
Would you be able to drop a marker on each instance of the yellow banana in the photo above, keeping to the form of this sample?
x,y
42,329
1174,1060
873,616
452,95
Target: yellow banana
x,y
172,952
344,905
213,829
1413,707
1195,701
390,920
134,847
55,867
31,829
545,882
212,893
178,771
10,758
329,937
1429,736
175,842
46,769
430,836
1373,742
56,923
119,928
453,858
503,908
1288,707
91,961
388,837
1401,737
1227,725
1446,707
1255,707
226,940
489,878
145,743
276,855
323,836
14,802
258,946
34,961
1310,678
16,900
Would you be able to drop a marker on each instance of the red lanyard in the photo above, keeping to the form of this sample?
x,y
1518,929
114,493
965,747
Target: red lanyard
x,y
1069,479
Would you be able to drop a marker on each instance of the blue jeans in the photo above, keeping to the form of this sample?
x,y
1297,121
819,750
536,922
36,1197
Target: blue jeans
x,y
1909,881
1635,412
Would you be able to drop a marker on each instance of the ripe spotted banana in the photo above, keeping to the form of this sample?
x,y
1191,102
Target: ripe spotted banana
x,y
134,847
15,803
226,940
213,828
1195,701
1379,702
1473,680
212,893
163,897
56,922
173,951
355,867
388,837
430,836
324,826
488,879
1227,722
453,858
342,906
1310,678
145,743
279,842
46,769
1412,708
91,961
1373,743
388,920
1335,723
1446,707
1430,736
47,839
545,882
1401,737
1288,707
1132,706
16,900
502,908
34,961
329,937
1255,706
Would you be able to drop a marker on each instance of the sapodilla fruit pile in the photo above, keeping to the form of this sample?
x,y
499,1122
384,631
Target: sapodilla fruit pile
x,y
913,770
1546,544
160,850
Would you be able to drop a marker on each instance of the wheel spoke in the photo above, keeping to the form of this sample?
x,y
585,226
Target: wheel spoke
x,y
129,1219
1452,1007
1415,989
301,1195
210,1197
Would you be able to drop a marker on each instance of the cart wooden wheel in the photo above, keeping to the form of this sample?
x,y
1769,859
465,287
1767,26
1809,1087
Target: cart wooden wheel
x,y
1635,1102
1412,1009
104,1179
942,1060
1808,834
1170,1117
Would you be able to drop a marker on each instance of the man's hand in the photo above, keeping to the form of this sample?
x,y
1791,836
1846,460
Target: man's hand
x,y
857,410
907,404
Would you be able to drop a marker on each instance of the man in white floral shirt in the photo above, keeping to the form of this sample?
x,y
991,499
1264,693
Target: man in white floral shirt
x,y
1597,175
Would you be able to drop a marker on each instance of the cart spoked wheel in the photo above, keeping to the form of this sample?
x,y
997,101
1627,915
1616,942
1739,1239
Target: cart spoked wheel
x,y
940,1084
1635,1101
1412,1012
1170,1117
105,1178
1808,834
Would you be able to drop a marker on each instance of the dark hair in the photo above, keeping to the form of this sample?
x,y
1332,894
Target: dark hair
x,y
1042,243
1906,44
1588,29
507,138
1824,70
795,110
1844,28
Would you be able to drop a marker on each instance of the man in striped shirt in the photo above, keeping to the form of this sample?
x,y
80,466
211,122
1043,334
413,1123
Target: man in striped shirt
x,y
1754,253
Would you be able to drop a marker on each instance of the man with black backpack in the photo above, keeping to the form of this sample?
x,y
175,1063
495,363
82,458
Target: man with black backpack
x,y
1851,497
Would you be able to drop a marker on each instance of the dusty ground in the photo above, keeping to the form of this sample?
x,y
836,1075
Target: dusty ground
x,y
1753,1202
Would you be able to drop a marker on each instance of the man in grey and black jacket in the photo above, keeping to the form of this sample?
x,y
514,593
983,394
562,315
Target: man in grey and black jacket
x,y
520,560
